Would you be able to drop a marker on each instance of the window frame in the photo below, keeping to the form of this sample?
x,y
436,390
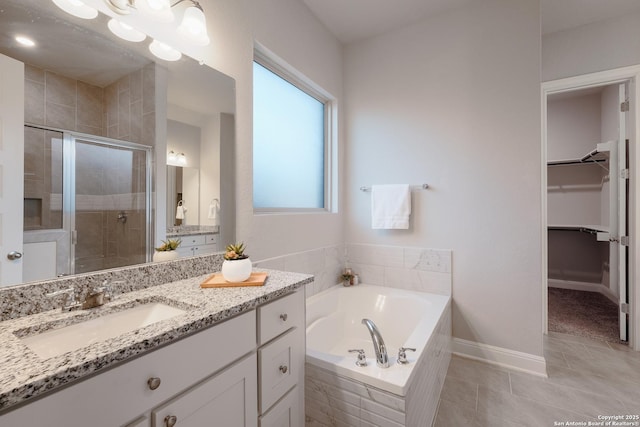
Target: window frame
x,y
280,68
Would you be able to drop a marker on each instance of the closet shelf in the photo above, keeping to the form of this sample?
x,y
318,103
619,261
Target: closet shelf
x,y
591,229
598,155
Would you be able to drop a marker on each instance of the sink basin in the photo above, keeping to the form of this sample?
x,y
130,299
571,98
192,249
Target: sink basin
x,y
55,342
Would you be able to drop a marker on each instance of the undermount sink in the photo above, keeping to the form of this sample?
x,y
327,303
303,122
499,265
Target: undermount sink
x,y
55,342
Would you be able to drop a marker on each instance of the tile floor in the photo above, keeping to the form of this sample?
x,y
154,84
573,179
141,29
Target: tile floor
x,y
587,378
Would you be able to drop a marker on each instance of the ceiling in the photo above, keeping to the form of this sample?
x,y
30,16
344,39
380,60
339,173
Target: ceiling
x,y
352,20
65,45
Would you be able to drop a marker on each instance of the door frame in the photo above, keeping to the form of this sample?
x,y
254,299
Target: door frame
x,y
618,75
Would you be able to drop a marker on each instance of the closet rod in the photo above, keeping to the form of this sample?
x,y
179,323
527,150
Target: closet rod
x,y
412,187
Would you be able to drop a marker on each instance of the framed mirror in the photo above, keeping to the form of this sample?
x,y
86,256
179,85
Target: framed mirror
x,y
101,117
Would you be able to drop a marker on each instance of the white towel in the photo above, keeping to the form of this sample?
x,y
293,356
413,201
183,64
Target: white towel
x,y
390,206
180,212
214,212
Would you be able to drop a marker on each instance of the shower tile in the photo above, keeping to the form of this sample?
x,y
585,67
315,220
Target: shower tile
x,y
90,105
60,90
415,280
149,129
34,102
33,74
60,116
135,85
149,89
124,114
387,256
124,84
90,130
111,104
136,122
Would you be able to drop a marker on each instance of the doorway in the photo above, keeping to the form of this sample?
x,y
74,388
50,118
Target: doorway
x,y
588,187
87,203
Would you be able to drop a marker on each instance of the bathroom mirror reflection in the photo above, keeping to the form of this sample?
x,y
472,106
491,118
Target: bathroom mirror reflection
x,y
88,91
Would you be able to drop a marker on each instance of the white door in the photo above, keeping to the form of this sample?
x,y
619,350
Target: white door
x,y
11,169
623,191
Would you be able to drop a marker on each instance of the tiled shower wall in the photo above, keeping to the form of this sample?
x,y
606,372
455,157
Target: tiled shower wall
x,y
123,110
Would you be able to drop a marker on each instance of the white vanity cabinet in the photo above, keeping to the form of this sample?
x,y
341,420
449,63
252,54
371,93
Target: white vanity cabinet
x,y
199,244
247,371
281,355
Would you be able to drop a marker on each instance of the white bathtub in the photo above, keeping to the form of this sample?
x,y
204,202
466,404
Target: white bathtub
x,y
404,318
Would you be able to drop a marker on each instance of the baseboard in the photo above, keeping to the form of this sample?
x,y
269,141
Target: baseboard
x,y
583,286
502,357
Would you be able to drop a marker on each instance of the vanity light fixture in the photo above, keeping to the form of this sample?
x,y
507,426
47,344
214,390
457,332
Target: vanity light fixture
x,y
172,157
125,31
192,28
182,159
25,41
76,8
164,51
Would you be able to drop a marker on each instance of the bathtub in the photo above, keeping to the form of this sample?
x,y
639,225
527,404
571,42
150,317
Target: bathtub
x,y
405,319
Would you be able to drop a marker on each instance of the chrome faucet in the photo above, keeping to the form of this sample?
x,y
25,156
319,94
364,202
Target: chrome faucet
x,y
382,358
69,302
99,296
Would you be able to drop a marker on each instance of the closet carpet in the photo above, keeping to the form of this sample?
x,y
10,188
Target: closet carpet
x,y
585,314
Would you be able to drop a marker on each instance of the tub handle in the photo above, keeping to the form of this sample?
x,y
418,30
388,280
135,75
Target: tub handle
x,y
402,355
362,358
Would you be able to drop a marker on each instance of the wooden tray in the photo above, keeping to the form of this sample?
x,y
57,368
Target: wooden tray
x,y
217,281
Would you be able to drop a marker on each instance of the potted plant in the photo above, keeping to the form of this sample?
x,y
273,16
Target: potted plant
x,y
167,251
236,266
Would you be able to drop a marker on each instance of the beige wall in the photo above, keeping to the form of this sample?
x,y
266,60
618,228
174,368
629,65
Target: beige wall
x,y
454,101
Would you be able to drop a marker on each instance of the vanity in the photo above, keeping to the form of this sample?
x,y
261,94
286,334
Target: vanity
x,y
235,355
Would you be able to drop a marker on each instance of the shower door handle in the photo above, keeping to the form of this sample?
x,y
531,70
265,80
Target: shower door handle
x,y
13,255
74,237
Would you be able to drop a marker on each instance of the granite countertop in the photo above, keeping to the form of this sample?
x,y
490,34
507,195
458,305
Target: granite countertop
x,y
24,375
190,231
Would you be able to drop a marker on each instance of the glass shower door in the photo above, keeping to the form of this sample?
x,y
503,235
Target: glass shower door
x,y
110,206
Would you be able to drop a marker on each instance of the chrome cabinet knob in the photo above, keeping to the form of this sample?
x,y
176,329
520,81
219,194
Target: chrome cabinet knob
x,y
170,420
284,317
153,383
13,255
283,369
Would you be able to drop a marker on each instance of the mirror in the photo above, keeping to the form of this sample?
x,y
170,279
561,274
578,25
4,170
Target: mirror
x,y
190,110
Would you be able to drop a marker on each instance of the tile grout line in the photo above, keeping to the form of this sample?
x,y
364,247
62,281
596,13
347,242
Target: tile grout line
x,y
477,397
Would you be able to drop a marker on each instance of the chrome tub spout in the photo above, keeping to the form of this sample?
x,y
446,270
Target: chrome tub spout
x,y
382,358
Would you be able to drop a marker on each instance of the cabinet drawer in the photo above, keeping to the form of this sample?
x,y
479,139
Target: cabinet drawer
x,y
178,366
280,364
193,240
227,399
286,413
211,239
280,315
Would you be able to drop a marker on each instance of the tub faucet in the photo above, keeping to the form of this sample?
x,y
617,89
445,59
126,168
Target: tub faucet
x,y
382,358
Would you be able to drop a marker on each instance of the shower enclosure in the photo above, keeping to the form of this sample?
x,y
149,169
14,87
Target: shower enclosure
x,y
87,202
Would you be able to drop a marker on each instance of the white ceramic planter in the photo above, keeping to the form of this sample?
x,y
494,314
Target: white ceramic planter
x,y
236,270
159,256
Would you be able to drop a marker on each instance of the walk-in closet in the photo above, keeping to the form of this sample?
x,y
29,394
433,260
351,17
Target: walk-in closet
x,y
587,191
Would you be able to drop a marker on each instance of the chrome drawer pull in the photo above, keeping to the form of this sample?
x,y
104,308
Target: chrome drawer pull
x,y
153,383
283,369
284,317
170,420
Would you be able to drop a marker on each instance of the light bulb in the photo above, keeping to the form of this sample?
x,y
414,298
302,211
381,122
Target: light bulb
x,y
25,41
182,159
164,51
194,26
125,31
76,8
158,10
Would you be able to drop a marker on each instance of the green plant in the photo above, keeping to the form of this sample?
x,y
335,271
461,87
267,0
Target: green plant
x,y
235,251
169,245
347,276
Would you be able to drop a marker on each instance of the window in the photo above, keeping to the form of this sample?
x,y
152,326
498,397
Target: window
x,y
290,150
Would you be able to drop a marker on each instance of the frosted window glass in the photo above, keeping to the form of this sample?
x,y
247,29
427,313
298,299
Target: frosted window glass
x,y
288,144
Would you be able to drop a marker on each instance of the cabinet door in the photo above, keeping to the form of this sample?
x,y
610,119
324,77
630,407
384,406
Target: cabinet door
x,y
139,422
228,399
286,413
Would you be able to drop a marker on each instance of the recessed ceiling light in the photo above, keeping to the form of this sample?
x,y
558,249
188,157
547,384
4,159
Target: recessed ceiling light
x,y
25,41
